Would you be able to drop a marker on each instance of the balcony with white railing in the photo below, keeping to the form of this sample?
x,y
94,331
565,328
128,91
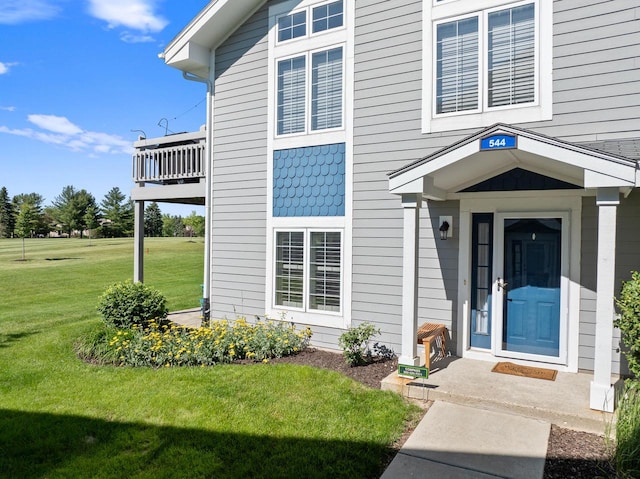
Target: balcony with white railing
x,y
170,168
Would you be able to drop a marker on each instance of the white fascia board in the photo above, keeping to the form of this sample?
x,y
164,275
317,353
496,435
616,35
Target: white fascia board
x,y
624,174
424,169
594,179
191,58
207,31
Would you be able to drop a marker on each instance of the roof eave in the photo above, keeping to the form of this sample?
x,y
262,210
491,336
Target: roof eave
x,y
189,50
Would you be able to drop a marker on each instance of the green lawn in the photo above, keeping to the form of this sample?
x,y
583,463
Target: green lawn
x,y
60,417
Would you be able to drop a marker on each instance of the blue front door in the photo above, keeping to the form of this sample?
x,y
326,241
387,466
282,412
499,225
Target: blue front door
x,y
532,259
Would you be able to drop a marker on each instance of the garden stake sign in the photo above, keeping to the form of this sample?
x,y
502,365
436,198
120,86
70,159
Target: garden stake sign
x,y
414,372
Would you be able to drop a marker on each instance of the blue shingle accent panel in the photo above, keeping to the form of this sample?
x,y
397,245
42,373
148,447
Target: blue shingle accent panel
x,y
309,181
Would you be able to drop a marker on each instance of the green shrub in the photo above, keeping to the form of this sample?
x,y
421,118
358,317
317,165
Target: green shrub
x,y
161,345
629,321
627,455
355,344
126,304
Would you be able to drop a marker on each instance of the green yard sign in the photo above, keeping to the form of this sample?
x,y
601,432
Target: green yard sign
x,y
413,371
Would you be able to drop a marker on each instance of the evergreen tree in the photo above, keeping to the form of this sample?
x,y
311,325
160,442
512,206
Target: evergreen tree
x,y
70,209
152,220
7,214
91,219
118,214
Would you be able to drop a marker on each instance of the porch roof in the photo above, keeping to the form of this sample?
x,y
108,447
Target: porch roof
x,y
466,163
190,50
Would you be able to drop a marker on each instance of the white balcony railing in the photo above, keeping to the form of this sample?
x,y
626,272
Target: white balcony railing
x,y
170,159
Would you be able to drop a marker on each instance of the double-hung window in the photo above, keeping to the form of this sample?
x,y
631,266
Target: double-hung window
x,y
308,270
310,79
322,95
487,62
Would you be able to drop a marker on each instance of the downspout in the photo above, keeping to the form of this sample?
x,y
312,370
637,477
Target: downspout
x,y
206,289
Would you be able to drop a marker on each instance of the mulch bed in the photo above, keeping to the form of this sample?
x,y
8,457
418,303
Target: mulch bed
x,y
570,454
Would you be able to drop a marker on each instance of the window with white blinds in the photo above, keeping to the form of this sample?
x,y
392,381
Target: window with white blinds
x,y
457,66
500,40
324,93
308,270
511,56
326,89
291,95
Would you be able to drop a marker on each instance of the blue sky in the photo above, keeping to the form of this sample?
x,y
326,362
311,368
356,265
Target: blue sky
x,y
76,77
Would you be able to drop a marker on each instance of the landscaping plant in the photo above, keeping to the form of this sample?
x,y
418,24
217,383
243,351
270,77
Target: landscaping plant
x,y
126,304
355,344
162,345
627,455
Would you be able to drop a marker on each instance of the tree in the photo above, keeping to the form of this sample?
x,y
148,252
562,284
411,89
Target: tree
x,y
26,223
118,214
7,214
35,200
172,225
194,224
70,209
91,219
152,220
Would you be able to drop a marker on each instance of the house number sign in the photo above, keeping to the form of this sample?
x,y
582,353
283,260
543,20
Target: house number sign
x,y
498,142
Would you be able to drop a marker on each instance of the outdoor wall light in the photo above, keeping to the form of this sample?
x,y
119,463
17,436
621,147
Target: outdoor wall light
x,y
445,227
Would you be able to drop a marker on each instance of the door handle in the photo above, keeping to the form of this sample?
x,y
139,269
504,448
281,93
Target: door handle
x,y
501,285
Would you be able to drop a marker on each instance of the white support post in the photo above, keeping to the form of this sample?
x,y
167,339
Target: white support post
x,y
138,240
410,256
602,396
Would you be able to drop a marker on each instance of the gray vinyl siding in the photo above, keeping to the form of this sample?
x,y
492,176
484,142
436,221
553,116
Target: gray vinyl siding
x,y
627,260
239,173
596,94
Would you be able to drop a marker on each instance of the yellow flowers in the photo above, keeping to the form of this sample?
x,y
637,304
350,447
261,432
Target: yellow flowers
x,y
162,345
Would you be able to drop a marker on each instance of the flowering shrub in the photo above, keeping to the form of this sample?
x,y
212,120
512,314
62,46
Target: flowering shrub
x,y
223,341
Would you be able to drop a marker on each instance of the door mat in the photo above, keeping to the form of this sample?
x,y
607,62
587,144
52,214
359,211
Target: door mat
x,y
525,371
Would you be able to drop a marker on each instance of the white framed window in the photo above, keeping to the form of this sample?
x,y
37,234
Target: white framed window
x,y
314,83
324,16
308,270
484,59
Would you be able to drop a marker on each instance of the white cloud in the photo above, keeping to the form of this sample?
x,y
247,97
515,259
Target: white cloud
x,y
134,14
58,130
57,124
20,11
128,37
8,108
4,67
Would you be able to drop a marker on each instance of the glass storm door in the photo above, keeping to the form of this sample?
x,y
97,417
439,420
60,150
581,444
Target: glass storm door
x,y
531,286
481,279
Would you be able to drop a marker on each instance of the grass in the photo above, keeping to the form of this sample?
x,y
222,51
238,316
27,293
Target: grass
x,y
61,417
627,455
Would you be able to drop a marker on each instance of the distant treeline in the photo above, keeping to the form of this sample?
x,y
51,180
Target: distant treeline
x,y
76,213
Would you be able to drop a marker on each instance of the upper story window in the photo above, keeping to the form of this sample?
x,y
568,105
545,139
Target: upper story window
x,y
489,65
309,72
324,17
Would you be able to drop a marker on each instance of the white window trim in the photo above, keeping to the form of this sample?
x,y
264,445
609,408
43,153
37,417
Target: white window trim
x,y
282,10
308,54
539,110
344,135
306,262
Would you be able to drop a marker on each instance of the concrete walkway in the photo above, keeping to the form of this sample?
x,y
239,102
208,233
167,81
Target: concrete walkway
x,y
455,441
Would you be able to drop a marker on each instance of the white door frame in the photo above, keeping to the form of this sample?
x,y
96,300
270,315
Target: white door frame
x,y
564,204
498,296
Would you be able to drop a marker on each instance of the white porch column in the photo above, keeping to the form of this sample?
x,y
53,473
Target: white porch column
x,y
602,393
410,256
138,242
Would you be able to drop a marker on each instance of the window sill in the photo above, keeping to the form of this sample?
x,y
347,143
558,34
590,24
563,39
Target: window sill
x,y
327,319
481,120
